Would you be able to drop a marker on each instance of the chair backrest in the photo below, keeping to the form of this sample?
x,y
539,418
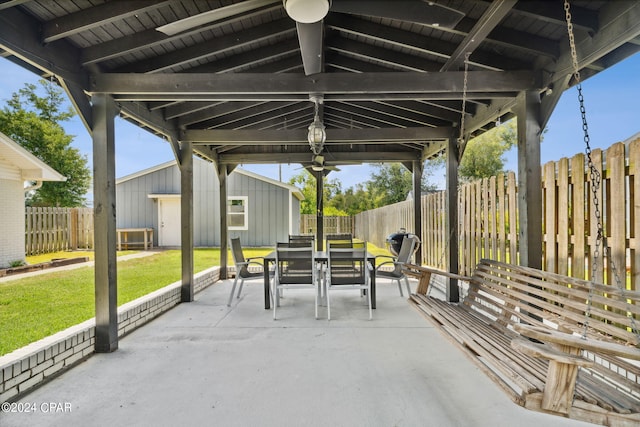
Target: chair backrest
x,y
339,240
406,251
303,240
348,265
295,264
238,257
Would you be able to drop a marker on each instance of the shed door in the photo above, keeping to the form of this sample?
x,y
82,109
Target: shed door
x,y
169,222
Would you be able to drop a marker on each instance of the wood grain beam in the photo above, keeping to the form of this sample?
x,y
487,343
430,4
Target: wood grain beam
x,y
87,19
250,85
299,136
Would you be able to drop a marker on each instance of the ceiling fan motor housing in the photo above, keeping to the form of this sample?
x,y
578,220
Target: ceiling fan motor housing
x,y
307,11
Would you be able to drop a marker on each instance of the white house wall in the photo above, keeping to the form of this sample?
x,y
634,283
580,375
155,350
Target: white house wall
x,y
268,204
12,226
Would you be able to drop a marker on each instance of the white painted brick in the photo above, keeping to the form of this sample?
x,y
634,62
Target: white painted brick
x,y
7,373
60,357
30,382
17,380
41,367
8,394
12,225
80,347
55,368
87,351
72,359
17,368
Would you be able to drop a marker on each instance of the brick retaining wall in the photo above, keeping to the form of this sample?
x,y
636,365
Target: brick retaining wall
x,y
27,367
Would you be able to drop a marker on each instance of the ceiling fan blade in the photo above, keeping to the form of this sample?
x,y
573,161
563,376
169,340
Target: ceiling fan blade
x,y
418,11
212,15
310,37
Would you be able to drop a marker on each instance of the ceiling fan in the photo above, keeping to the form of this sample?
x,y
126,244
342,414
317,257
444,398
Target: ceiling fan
x,y
309,15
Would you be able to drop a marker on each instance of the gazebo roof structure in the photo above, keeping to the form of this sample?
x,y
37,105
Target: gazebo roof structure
x,y
242,81
235,77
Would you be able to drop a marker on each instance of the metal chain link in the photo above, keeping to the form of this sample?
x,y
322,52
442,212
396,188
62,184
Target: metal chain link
x,y
464,97
596,179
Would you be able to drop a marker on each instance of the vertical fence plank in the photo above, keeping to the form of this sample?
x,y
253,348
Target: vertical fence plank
x,y
562,209
493,218
513,218
578,216
549,219
634,221
616,213
595,265
501,234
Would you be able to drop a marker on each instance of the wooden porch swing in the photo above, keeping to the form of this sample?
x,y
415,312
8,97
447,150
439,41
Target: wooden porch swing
x,y
555,344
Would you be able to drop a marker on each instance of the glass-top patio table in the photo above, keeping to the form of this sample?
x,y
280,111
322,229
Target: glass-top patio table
x,y
320,257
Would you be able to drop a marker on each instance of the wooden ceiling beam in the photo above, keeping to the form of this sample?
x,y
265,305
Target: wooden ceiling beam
x,y
210,48
292,136
151,38
249,85
490,19
420,45
346,158
87,19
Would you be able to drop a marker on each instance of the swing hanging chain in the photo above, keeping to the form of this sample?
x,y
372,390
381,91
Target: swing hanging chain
x,y
464,98
595,178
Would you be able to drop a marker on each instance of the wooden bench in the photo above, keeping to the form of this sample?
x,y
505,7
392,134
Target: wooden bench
x,y
147,238
523,327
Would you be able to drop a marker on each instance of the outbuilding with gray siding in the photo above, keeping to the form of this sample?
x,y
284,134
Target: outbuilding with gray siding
x,y
260,210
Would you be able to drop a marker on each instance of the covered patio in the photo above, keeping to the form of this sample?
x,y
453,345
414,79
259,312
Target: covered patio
x,y
206,364
241,82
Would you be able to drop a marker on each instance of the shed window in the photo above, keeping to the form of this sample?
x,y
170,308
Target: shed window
x,y
238,213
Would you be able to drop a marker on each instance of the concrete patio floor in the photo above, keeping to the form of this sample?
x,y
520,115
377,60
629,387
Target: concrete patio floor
x,y
204,364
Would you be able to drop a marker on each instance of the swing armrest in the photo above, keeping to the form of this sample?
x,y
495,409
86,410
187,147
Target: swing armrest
x,y
419,271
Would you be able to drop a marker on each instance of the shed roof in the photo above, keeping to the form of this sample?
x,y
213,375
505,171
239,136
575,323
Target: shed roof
x,y
31,168
293,189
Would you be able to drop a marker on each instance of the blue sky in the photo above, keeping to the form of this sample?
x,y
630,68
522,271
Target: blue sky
x,y
612,100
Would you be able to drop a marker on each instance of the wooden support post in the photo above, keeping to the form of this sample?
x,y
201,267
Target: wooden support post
x,y
529,180
319,209
451,219
418,168
423,283
186,220
104,194
224,233
561,383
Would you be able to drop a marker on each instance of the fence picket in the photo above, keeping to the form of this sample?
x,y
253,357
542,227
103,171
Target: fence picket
x,y
57,229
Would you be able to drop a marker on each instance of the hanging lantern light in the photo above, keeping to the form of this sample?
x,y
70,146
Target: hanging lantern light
x,y
317,134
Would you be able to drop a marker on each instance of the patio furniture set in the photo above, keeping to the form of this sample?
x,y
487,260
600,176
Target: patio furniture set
x,y
345,264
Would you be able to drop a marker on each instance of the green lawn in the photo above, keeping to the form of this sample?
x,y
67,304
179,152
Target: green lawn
x,y
35,307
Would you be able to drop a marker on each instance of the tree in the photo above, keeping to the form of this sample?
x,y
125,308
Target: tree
x,y
392,183
307,184
33,121
484,155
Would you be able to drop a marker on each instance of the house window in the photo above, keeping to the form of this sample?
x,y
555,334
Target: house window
x,y
238,213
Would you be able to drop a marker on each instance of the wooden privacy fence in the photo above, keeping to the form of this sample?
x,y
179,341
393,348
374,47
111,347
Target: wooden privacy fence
x,y
332,224
488,226
57,229
375,225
